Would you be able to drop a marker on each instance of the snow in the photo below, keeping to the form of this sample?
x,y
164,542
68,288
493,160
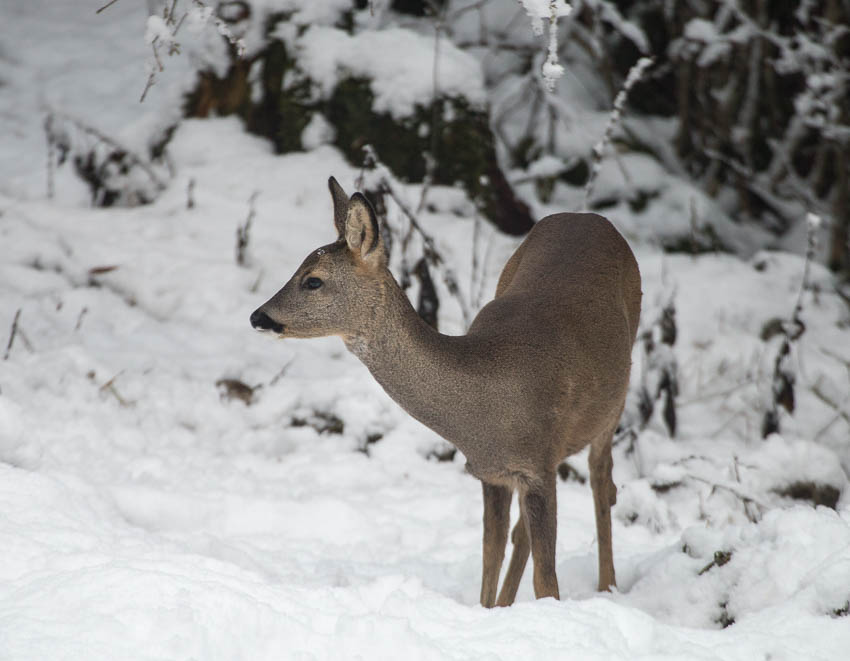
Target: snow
x,y
304,12
700,29
144,515
538,10
158,30
398,83
550,10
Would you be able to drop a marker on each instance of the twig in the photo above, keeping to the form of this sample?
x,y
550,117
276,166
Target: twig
x,y
720,559
243,231
633,76
12,334
838,357
373,161
152,74
156,55
436,108
109,387
277,377
727,423
80,319
488,251
698,399
148,84
430,251
51,152
735,492
457,13
755,183
106,6
476,234
835,406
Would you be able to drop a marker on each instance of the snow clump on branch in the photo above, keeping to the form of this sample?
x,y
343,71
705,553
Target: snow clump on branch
x,y
537,10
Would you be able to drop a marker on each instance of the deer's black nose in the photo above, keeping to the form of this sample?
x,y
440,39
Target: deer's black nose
x,y
261,321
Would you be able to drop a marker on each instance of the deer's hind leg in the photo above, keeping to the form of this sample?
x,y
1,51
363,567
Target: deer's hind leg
x,y
604,497
497,512
539,511
519,558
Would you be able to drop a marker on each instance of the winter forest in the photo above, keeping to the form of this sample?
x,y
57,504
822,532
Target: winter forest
x,y
175,485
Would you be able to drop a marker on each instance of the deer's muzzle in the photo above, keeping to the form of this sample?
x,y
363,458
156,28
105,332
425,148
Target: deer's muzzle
x,y
261,321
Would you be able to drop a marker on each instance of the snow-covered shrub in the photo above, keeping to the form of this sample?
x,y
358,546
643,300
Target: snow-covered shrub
x,y
764,109
659,382
393,88
115,174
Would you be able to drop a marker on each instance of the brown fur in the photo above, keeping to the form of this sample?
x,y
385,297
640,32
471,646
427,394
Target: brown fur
x,y
541,374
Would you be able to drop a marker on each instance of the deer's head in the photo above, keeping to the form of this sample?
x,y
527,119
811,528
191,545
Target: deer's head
x,y
336,289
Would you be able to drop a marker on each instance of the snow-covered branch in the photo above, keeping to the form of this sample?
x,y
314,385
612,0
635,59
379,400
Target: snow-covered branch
x,y
549,10
614,118
161,32
377,176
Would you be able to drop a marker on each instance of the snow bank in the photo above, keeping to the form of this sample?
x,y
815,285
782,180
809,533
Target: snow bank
x,y
399,64
795,559
146,517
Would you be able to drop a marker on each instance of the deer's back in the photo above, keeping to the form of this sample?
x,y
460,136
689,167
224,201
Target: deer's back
x,y
562,325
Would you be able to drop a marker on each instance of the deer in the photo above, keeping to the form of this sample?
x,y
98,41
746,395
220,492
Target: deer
x,y
541,373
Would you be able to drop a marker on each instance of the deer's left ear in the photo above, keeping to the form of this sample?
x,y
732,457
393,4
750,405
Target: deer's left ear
x,y
362,234
340,206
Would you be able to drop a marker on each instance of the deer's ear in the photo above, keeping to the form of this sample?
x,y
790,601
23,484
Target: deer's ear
x,y
340,206
362,234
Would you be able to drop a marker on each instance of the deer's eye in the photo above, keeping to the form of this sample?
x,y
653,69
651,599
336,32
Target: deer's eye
x,y
312,283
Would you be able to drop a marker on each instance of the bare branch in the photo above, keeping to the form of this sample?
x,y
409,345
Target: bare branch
x,y
277,377
243,232
743,497
82,314
12,334
633,76
109,387
106,6
51,154
431,253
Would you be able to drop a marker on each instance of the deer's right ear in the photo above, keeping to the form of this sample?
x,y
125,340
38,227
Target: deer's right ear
x,y
340,206
362,234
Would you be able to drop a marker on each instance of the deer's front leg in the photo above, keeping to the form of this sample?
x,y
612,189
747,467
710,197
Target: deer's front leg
x,y
497,512
537,501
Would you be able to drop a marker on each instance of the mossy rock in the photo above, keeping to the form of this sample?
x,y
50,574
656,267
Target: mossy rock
x,y
464,147
285,107
215,95
283,110
815,493
349,111
704,239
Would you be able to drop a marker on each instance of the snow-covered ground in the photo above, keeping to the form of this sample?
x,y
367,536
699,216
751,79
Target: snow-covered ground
x,y
147,513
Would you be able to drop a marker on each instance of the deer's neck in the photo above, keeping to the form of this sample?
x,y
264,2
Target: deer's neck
x,y
421,369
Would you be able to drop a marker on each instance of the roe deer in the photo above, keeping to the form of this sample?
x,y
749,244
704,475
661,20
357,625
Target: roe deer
x,y
542,372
